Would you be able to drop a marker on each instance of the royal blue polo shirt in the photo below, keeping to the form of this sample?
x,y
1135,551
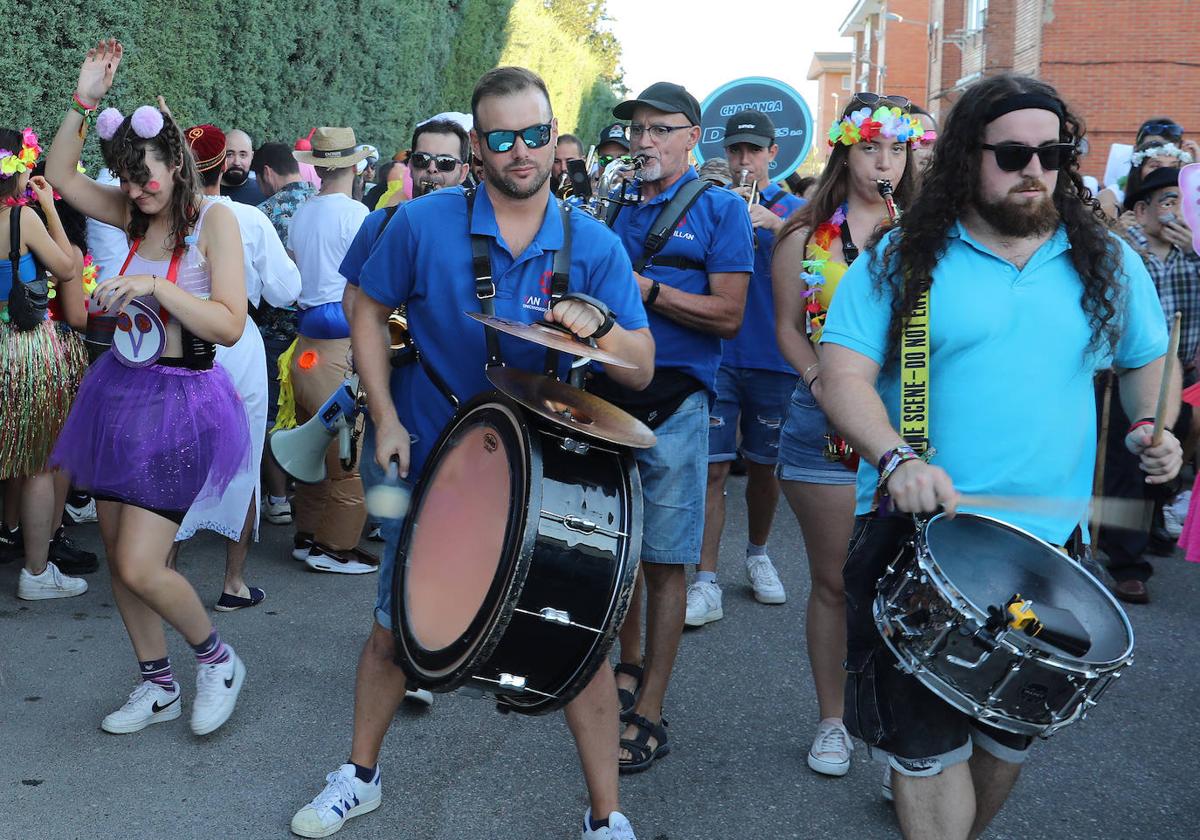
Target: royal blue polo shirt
x,y
361,245
1012,407
755,345
423,259
715,232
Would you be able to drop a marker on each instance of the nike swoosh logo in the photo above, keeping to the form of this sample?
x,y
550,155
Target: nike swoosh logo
x,y
157,708
229,682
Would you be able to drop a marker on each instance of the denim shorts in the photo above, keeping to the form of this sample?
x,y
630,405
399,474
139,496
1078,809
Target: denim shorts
x,y
914,730
372,476
674,480
760,398
802,444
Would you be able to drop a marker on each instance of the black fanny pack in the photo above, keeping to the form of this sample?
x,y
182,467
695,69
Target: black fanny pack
x,y
654,405
27,301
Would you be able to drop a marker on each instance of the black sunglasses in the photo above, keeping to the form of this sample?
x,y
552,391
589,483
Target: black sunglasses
x,y
873,100
445,163
1169,130
1013,157
534,137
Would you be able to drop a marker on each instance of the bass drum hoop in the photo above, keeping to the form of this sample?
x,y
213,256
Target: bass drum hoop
x,y
448,668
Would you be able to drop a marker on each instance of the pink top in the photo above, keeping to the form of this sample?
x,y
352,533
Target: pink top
x,y
193,279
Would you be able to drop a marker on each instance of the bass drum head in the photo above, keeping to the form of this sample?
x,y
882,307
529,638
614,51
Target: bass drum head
x,y
989,561
456,551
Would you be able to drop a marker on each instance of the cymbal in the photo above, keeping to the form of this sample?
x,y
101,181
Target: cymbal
x,y
551,336
572,408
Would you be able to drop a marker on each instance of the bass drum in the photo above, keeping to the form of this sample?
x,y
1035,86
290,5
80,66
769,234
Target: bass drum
x,y
518,558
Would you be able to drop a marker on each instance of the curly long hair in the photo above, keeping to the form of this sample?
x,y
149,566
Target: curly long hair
x,y
834,187
125,156
948,190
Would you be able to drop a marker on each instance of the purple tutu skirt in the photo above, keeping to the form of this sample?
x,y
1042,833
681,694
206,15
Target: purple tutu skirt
x,y
159,437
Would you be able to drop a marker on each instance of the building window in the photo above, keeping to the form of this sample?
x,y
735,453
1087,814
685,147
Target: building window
x,y
846,83
976,16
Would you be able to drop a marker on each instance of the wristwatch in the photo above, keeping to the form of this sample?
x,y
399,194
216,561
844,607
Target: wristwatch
x,y
652,295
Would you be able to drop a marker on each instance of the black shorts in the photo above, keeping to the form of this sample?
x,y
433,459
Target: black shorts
x,y
889,710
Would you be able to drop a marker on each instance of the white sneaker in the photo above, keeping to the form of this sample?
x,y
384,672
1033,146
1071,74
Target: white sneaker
x,y
886,790
51,583
419,695
830,753
319,561
618,828
703,604
345,796
217,688
148,703
1175,513
80,515
277,514
765,580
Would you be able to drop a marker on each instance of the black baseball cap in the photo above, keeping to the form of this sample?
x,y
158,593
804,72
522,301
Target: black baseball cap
x,y
614,133
1168,176
753,127
662,96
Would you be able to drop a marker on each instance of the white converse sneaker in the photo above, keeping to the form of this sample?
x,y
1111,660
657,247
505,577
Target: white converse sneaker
x,y
217,688
618,828
765,580
345,796
277,514
148,703
830,753
703,604
51,583
342,563
886,791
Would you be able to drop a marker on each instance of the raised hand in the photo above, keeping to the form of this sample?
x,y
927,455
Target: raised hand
x,y
98,71
42,189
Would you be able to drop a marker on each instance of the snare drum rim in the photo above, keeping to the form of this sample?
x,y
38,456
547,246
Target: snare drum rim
x,y
1016,641
448,668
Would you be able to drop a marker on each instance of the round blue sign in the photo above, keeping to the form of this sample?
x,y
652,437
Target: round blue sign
x,y
779,101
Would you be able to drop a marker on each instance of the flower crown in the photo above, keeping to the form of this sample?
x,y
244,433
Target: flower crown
x,y
146,122
863,126
1167,149
15,163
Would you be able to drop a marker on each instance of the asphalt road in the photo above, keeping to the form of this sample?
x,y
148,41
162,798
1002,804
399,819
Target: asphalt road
x,y
741,708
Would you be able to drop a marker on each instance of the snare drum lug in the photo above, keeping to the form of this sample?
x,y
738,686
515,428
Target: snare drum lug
x,y
578,447
963,663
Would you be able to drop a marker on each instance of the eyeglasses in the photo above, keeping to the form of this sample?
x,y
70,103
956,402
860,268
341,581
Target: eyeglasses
x,y
445,163
605,160
872,100
534,137
1013,157
658,133
1169,130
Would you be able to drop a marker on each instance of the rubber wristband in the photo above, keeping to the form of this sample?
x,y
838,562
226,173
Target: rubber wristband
x,y
1145,421
75,98
810,382
652,295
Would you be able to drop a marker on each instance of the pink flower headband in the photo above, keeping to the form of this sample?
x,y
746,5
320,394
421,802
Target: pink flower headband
x,y
146,122
15,163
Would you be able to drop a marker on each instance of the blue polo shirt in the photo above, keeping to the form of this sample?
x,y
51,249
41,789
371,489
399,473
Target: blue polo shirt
x,y
755,345
361,245
716,233
1012,406
423,259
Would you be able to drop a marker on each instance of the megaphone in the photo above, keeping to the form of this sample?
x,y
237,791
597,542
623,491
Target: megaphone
x,y
300,452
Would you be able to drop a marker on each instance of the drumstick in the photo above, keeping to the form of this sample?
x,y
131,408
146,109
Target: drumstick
x,y
1112,512
1164,388
1101,457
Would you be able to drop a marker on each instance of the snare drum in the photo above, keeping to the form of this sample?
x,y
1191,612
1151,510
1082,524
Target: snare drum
x,y
932,608
518,558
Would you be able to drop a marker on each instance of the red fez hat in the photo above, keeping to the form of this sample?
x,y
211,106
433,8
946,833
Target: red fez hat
x,y
207,143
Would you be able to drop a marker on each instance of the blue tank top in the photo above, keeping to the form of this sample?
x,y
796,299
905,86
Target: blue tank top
x,y
26,266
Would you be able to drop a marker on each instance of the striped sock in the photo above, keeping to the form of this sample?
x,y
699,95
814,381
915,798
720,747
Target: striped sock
x,y
212,651
158,671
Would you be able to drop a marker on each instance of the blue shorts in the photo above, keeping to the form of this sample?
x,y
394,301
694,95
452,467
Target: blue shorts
x,y
760,398
802,444
674,480
372,476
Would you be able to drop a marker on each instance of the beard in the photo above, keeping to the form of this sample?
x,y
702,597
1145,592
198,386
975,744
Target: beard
x,y
496,178
1009,218
651,170
235,176
423,186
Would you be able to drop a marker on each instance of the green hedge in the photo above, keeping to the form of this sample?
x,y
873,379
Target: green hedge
x,y
277,68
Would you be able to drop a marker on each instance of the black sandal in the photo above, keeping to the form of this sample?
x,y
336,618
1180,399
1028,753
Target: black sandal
x,y
642,754
626,697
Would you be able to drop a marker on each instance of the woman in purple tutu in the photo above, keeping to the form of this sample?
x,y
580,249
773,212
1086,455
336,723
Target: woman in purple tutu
x,y
157,427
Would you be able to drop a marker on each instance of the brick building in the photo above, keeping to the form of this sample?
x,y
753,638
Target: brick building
x,y
891,47
832,73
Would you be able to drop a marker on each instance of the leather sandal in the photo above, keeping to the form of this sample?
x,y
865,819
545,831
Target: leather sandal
x,y
642,755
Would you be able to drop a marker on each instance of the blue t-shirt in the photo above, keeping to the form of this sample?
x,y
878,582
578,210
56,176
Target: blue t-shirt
x,y
423,259
1012,407
714,232
755,345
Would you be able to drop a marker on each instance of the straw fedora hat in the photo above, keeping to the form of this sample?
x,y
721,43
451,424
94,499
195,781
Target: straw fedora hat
x,y
333,148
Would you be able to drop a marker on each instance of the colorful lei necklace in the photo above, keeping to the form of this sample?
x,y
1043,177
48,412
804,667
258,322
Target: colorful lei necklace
x,y
819,268
15,163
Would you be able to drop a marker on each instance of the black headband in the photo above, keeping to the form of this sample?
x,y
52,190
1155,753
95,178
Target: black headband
x,y
1022,101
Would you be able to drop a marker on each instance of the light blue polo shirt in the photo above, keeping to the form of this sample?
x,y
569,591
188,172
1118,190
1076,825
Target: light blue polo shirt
x,y
716,233
423,259
755,345
1012,405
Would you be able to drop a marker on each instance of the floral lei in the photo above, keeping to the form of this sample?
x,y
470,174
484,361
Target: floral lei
x,y
15,163
863,126
818,267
